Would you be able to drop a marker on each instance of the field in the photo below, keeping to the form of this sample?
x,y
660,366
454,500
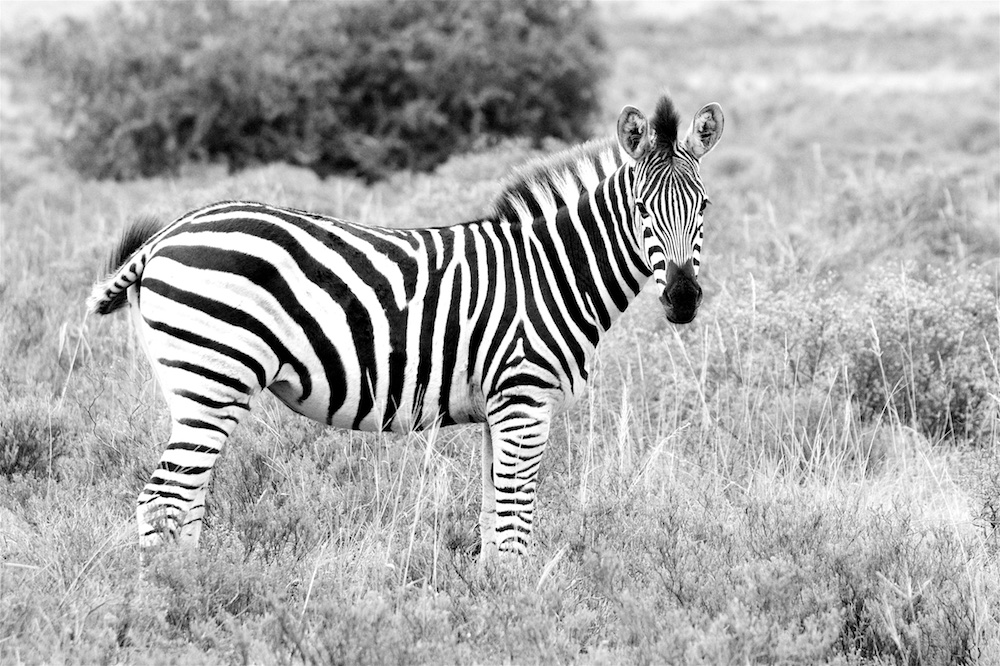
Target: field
x,y
809,473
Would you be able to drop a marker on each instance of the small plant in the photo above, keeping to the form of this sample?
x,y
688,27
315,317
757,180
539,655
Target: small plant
x,y
31,438
201,587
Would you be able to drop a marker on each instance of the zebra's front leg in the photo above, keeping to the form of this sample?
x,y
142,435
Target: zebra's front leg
x,y
514,440
488,512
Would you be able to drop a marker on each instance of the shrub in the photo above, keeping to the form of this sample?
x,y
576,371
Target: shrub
x,y
336,87
200,586
31,438
928,352
811,363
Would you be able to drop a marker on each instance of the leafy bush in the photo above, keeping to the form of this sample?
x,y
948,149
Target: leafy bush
x,y
352,87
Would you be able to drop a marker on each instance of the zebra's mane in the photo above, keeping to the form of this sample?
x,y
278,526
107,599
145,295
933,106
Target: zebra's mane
x,y
543,177
665,124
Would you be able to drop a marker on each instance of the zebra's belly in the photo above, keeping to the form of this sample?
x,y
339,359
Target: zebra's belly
x,y
368,416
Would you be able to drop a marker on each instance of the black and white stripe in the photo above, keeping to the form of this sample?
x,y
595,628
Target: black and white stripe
x,y
493,321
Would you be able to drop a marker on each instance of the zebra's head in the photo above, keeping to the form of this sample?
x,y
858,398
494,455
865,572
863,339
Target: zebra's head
x,y
668,199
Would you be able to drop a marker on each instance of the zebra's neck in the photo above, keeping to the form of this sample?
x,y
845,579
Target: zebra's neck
x,y
592,235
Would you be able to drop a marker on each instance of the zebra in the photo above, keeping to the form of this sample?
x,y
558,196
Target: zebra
x,y
492,321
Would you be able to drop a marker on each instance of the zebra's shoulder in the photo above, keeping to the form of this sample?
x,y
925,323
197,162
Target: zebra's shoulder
x,y
545,175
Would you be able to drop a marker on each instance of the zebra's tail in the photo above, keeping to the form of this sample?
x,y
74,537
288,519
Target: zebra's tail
x,y
124,267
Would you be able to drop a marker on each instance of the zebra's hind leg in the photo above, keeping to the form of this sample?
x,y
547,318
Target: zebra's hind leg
x,y
172,504
513,444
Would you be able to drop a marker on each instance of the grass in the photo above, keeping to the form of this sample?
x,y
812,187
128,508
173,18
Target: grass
x,y
806,474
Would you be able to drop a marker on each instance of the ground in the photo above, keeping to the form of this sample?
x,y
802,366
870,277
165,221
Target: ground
x,y
809,473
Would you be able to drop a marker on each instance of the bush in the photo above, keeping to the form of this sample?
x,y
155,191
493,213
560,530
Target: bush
x,y
930,351
800,361
336,87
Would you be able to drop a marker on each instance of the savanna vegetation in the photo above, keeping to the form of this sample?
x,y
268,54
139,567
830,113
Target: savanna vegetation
x,y
809,473
360,87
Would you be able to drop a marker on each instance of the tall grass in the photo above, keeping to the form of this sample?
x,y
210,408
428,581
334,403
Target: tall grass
x,y
806,474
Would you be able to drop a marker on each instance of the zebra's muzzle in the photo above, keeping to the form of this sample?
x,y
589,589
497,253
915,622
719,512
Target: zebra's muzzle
x,y
681,296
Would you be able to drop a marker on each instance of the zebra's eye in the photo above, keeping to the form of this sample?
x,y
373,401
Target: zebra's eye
x,y
704,205
641,209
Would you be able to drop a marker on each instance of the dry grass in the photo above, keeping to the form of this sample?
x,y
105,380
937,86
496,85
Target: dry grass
x,y
791,479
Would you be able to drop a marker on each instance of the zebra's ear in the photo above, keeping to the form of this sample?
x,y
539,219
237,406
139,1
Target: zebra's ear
x,y
705,130
633,132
